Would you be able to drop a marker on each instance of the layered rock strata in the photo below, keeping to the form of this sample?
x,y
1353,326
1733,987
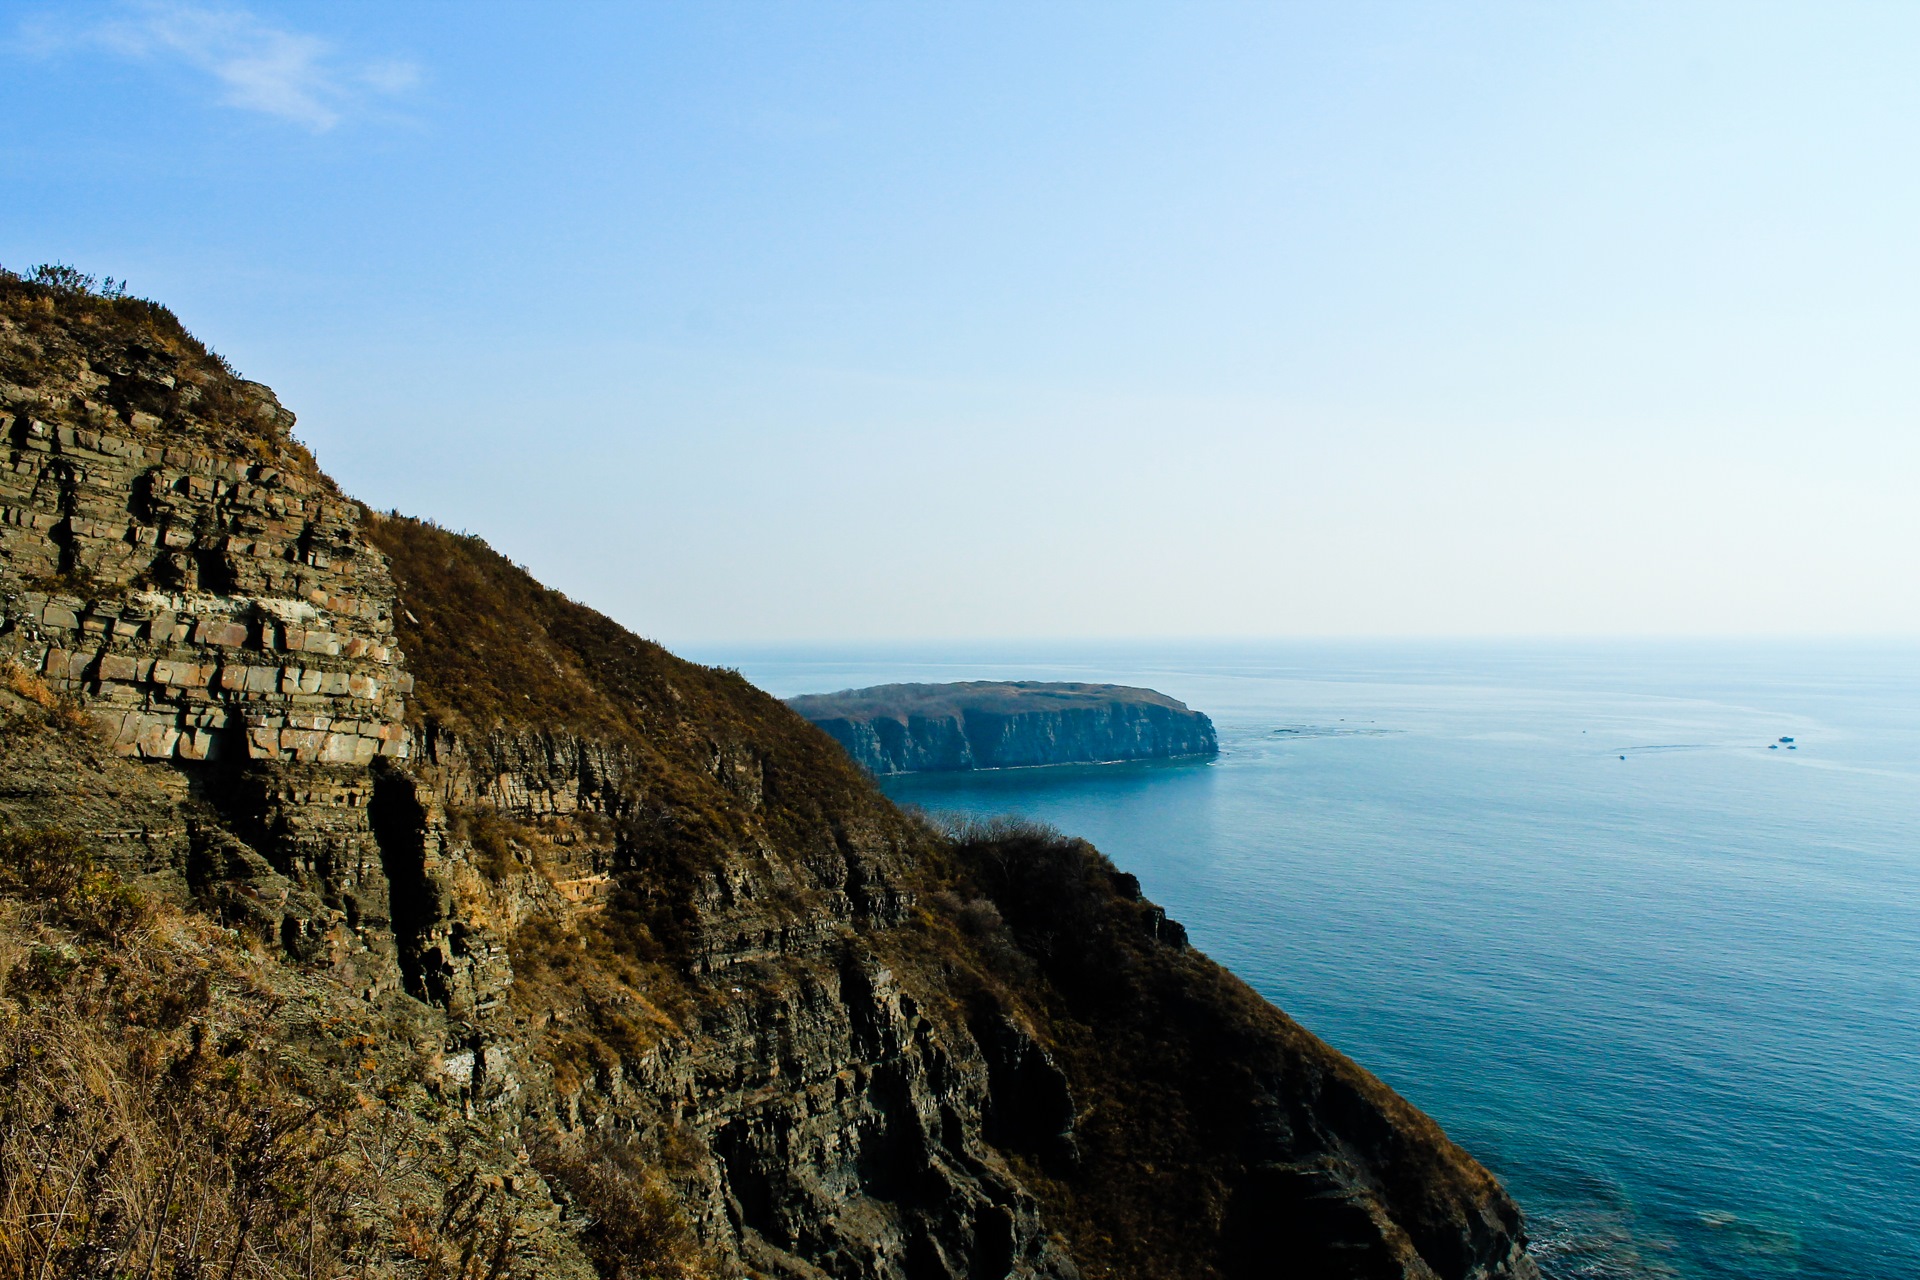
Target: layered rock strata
x,y
175,562
920,728
228,606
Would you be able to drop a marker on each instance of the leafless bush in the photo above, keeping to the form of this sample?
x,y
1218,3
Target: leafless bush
x,y
971,829
67,279
635,1230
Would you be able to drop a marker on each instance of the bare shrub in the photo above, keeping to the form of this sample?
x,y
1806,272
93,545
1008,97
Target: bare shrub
x,y
62,278
635,1230
139,1138
971,829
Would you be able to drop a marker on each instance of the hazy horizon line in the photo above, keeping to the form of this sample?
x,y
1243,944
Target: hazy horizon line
x,y
1846,639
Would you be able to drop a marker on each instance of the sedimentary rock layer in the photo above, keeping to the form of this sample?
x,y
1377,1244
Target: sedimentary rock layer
x,y
922,728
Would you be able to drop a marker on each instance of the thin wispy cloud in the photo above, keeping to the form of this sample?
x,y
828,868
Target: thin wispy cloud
x,y
292,75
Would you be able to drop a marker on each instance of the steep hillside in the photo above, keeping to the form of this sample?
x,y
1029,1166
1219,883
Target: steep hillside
x,y
574,958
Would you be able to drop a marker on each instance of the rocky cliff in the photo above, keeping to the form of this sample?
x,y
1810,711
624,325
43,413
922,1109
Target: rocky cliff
x,y
425,923
986,724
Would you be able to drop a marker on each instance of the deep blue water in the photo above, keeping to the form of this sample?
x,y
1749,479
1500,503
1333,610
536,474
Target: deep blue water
x,y
1673,1000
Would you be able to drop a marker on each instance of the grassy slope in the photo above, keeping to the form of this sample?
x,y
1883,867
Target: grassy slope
x,y
492,649
495,653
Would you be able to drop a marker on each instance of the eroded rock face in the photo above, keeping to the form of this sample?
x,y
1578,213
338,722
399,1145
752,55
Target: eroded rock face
x,y
848,1137
228,609
170,558
932,728
647,913
837,1129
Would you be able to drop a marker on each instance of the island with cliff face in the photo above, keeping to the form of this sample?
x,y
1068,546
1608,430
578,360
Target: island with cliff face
x,y
1016,724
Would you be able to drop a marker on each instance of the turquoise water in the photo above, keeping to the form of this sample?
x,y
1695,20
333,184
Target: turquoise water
x,y
1673,1000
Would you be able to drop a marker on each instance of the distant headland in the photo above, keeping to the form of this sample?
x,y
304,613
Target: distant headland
x,y
989,724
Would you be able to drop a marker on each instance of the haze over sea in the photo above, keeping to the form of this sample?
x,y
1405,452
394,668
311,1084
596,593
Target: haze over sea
x,y
1579,903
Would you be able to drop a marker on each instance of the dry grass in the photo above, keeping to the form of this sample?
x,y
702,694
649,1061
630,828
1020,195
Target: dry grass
x,y
491,649
18,680
42,704
155,1122
634,1229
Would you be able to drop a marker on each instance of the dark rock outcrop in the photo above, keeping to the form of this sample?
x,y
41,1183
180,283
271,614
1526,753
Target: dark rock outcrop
x,y
630,950
988,724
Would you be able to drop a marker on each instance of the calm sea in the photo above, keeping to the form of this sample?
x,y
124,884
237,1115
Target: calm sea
x,y
1581,904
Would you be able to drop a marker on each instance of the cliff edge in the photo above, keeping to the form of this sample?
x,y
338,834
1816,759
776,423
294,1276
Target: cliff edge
x,y
367,907
987,724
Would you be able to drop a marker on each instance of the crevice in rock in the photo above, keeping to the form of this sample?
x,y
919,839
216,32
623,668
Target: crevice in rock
x,y
1029,1106
399,823
747,1181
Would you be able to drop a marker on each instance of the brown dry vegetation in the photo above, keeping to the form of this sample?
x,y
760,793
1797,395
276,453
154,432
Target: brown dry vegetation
x,y
38,706
636,1231
719,767
493,650
156,1120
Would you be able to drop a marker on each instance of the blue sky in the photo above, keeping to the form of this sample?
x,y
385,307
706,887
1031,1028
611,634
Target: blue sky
x,y
834,322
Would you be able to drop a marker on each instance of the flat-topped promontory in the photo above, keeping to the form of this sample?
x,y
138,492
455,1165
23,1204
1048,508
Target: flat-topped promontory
x,y
1005,724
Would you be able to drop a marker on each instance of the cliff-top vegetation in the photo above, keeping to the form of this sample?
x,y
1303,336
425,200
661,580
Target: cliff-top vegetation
x,y
80,350
994,697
